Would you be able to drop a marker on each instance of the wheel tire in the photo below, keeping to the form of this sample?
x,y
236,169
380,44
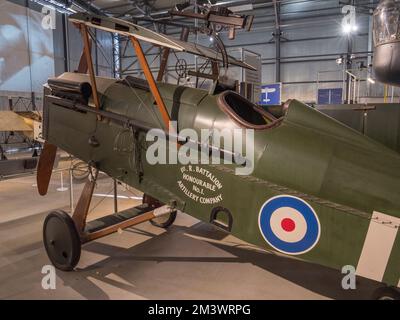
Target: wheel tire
x,y
386,293
61,240
163,221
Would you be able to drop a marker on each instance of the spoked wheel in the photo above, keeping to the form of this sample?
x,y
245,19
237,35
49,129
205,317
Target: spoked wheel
x,y
163,221
386,293
80,171
61,240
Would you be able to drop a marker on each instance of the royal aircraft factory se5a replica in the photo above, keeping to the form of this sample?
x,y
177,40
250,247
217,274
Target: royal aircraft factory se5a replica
x,y
319,190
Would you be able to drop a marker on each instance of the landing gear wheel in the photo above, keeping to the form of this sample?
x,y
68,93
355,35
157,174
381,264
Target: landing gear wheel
x,y
80,171
386,293
61,240
163,221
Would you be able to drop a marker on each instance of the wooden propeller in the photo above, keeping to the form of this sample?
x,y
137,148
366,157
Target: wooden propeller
x,y
45,167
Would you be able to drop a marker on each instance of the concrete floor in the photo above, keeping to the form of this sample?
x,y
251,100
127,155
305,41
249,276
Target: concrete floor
x,y
192,260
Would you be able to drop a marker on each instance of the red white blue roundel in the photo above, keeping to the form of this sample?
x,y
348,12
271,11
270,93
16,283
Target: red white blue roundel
x,y
289,224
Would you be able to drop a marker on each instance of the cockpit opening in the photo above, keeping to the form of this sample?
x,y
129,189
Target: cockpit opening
x,y
244,112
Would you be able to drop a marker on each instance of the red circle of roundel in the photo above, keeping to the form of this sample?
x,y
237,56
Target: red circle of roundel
x,y
288,225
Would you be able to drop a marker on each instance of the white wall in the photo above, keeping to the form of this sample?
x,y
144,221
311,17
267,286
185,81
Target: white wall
x,y
26,49
30,54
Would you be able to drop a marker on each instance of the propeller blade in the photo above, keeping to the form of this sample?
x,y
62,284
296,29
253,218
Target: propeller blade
x,y
45,167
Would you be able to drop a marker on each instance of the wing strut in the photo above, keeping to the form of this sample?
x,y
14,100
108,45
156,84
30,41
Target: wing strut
x,y
49,152
144,65
82,66
150,79
89,62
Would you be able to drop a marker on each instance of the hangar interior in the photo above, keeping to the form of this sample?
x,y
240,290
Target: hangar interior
x,y
319,52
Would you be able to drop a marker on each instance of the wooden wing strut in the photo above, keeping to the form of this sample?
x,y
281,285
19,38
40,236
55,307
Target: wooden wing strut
x,y
82,208
152,83
89,62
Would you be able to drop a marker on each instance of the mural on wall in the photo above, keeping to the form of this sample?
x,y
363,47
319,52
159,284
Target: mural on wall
x,y
26,49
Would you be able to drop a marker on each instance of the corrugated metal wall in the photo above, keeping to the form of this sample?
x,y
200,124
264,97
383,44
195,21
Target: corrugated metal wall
x,y
312,40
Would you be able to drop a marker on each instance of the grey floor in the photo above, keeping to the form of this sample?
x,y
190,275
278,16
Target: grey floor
x,y
192,260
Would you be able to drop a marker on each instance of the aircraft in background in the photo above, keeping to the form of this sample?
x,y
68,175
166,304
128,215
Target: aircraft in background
x,y
21,143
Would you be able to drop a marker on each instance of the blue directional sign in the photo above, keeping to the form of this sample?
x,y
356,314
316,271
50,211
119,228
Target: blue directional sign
x,y
271,94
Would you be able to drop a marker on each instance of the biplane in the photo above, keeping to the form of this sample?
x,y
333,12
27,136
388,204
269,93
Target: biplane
x,y
20,145
319,190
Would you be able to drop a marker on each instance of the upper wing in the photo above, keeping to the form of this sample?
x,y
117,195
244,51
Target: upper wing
x,y
130,29
10,121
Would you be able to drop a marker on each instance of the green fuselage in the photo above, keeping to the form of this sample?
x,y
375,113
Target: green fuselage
x,y
342,175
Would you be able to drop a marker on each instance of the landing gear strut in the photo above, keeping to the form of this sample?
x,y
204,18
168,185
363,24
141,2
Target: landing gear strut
x,y
64,235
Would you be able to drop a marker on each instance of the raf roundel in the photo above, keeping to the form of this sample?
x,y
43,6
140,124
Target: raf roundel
x,y
289,225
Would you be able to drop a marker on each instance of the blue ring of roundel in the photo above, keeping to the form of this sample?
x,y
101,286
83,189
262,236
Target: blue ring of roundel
x,y
313,228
